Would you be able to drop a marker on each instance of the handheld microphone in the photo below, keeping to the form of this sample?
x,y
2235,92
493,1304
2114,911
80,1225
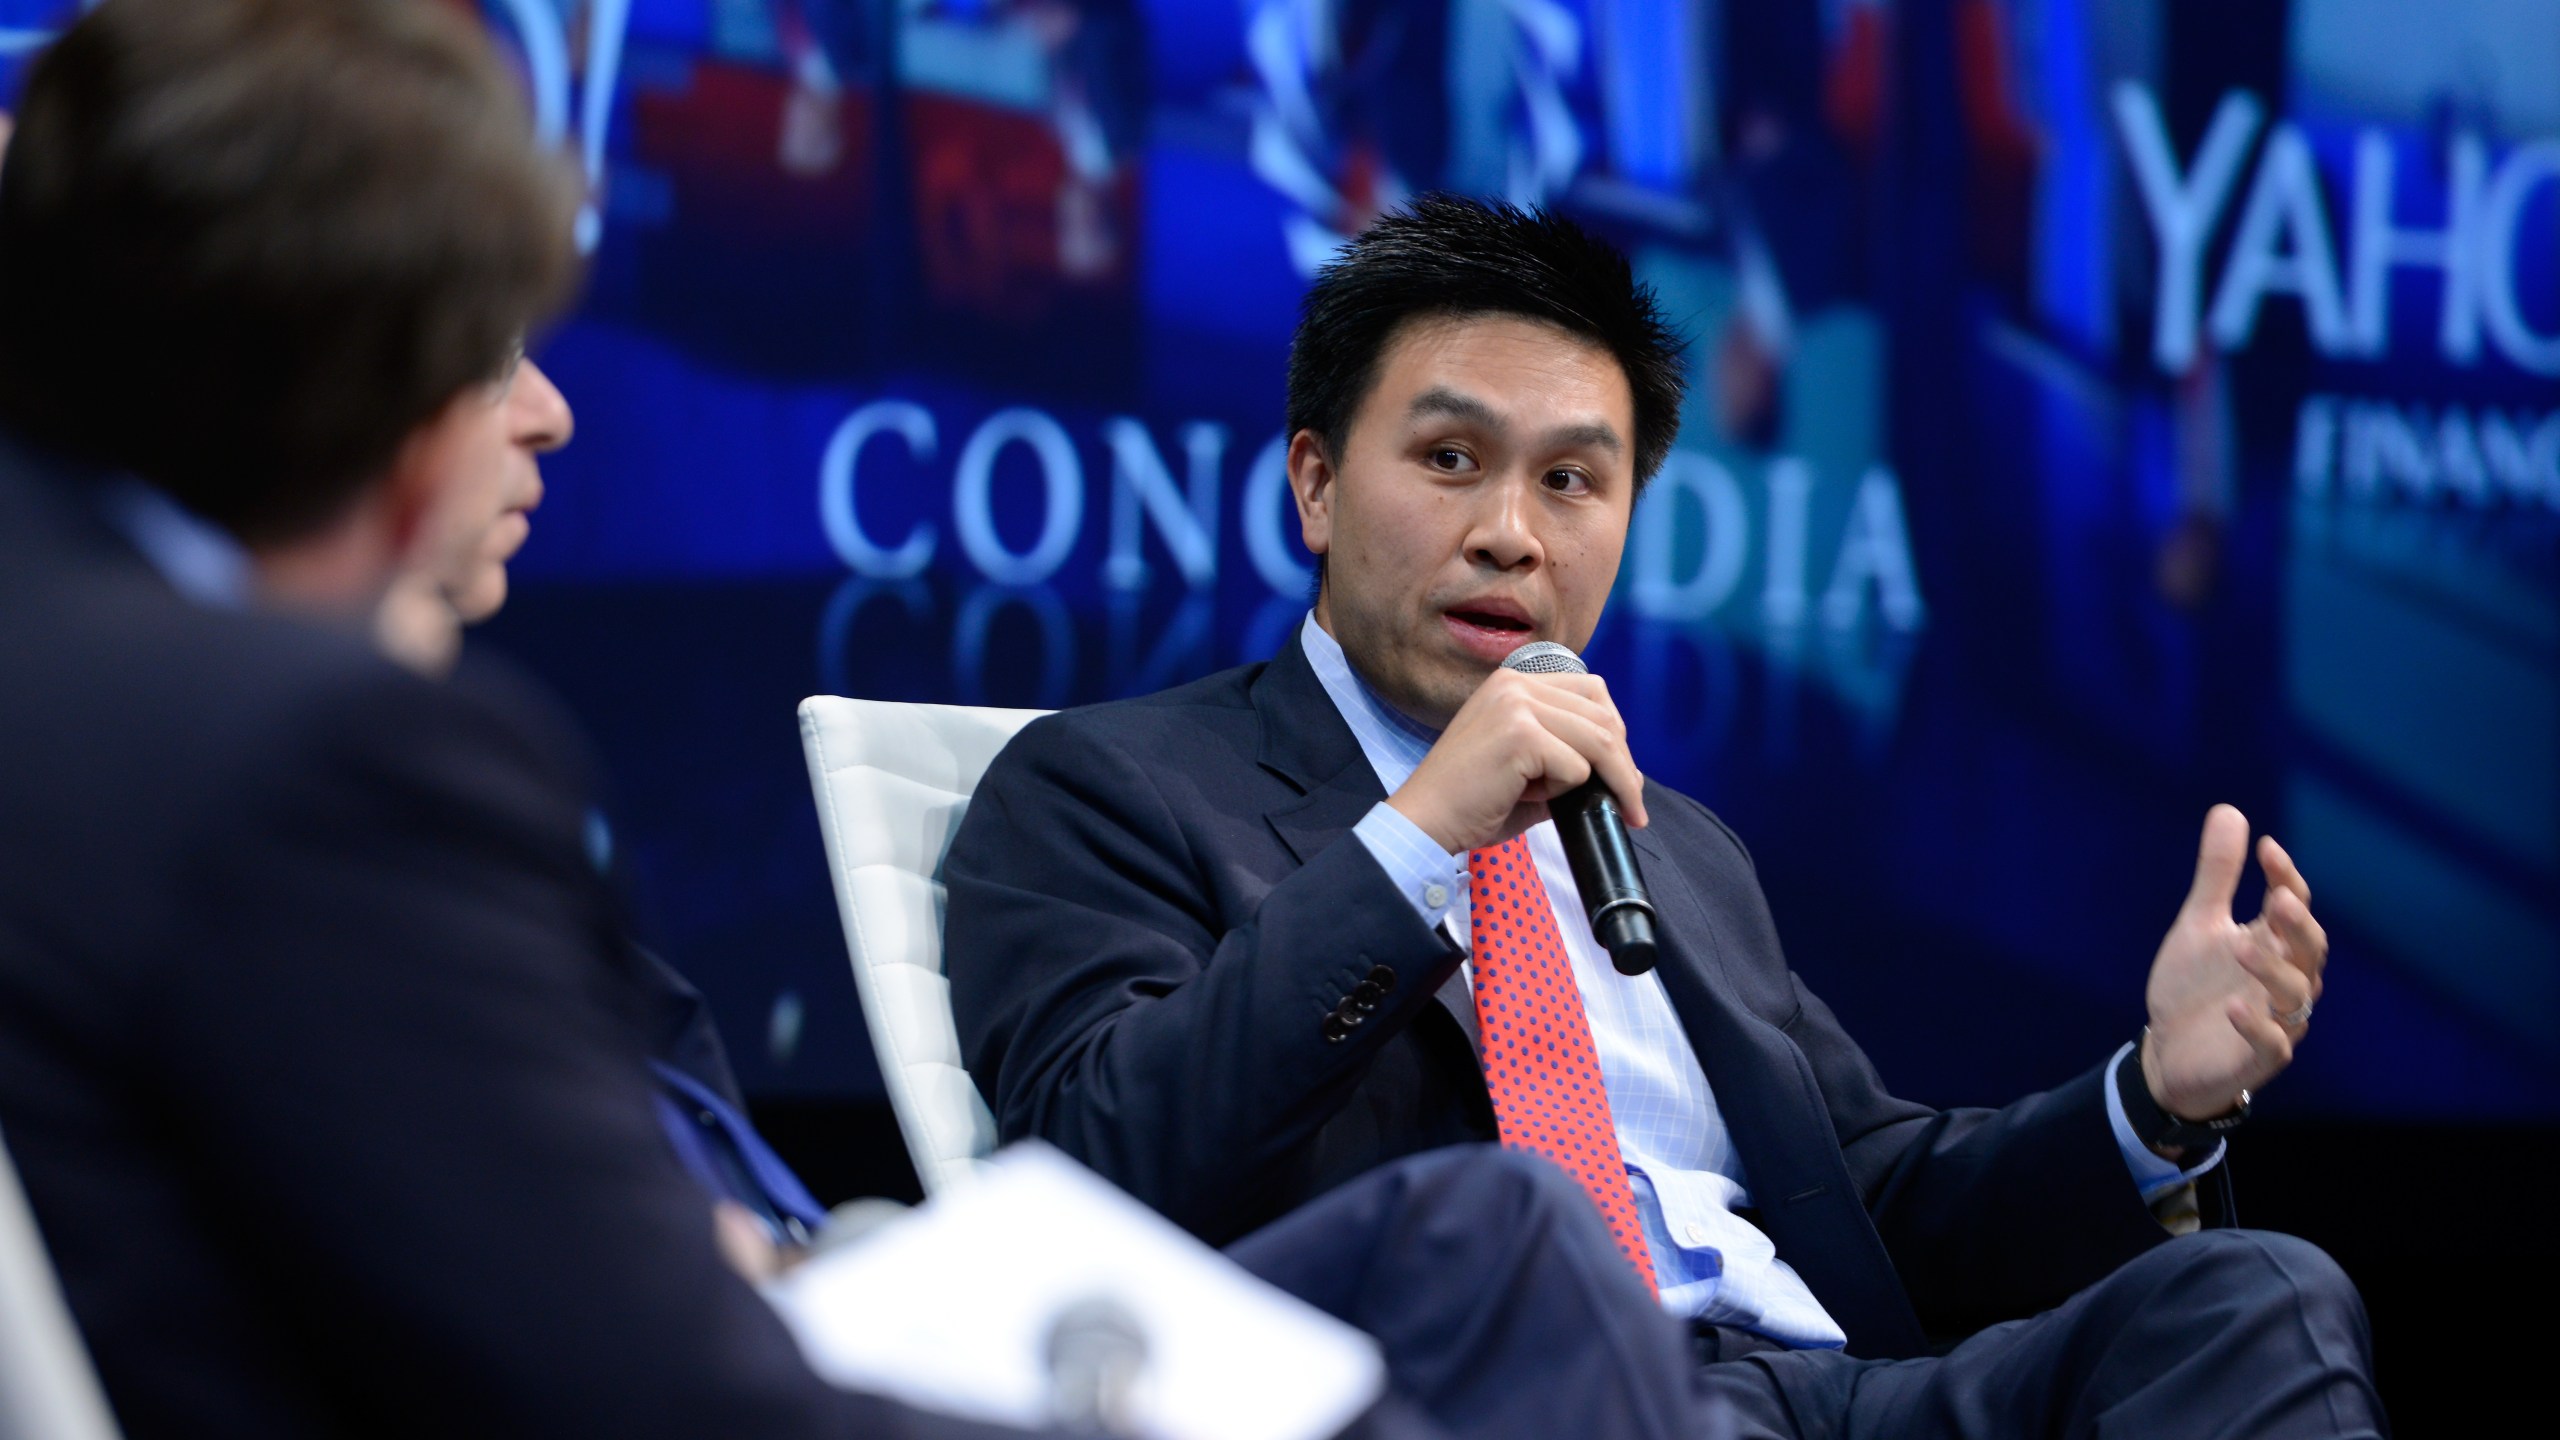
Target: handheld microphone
x,y
1595,840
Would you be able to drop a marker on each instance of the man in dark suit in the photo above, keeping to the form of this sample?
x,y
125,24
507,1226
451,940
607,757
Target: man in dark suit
x,y
1237,943
314,1054
322,1050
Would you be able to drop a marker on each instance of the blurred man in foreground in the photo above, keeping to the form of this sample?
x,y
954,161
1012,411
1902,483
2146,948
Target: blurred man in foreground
x,y
320,1049
308,1056
457,577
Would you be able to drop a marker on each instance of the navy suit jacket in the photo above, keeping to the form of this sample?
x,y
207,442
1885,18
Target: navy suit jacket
x,y
320,1041
1156,903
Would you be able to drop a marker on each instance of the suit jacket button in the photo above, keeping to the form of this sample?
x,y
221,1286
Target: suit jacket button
x,y
1349,1013
1382,977
1367,994
1335,1029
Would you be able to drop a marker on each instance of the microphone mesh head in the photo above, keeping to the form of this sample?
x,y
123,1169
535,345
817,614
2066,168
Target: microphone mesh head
x,y
1545,657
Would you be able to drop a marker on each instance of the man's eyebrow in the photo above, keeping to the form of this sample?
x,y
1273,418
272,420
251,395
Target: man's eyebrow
x,y
1594,434
1441,400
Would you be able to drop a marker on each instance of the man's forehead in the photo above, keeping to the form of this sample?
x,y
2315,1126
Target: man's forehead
x,y
1442,333
1498,370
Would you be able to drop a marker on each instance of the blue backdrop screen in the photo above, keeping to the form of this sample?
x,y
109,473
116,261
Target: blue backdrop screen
x,y
2100,408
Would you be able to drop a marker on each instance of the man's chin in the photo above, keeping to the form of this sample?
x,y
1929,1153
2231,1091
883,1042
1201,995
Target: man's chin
x,y
1433,700
485,596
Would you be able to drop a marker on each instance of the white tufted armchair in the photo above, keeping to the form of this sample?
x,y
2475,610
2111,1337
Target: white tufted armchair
x,y
47,1390
892,782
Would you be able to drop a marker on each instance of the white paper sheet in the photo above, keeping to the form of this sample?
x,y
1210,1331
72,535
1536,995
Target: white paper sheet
x,y
950,1308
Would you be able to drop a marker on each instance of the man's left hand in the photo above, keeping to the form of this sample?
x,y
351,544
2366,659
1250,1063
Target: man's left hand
x,y
2229,1001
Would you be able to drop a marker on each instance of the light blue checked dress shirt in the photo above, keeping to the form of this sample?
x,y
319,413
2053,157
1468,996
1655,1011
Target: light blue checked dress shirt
x,y
1688,1180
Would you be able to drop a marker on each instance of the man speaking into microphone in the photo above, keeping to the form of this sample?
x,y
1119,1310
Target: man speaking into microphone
x,y
1238,942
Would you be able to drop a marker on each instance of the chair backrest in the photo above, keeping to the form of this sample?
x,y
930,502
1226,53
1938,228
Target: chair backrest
x,y
47,1390
892,782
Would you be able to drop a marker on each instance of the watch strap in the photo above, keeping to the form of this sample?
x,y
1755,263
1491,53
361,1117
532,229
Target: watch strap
x,y
2156,1126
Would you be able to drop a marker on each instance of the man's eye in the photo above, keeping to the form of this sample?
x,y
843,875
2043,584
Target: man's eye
x,y
1446,458
1568,482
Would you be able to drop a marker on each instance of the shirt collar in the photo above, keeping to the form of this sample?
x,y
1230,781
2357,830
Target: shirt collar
x,y
199,559
1392,741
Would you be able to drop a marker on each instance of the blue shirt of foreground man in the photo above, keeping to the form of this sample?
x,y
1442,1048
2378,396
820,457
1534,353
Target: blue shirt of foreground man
x,y
321,1049
1216,942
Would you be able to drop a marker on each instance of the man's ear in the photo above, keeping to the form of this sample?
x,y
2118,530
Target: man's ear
x,y
413,485
1311,485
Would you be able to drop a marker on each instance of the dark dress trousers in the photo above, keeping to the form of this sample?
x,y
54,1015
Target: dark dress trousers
x,y
1157,908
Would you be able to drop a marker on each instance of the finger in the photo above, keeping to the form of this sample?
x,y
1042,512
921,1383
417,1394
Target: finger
x,y
743,1242
1604,752
2267,1039
2288,988
2219,857
1602,740
1503,687
2286,952
1544,696
1587,696
1607,752
1583,688
2306,943
1627,783
1554,762
1607,705
2282,873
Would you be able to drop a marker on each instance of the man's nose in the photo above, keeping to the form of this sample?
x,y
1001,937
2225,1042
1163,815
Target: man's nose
x,y
543,422
1504,535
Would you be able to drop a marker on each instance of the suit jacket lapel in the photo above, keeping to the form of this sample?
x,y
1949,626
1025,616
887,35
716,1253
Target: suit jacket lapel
x,y
1765,1088
1306,742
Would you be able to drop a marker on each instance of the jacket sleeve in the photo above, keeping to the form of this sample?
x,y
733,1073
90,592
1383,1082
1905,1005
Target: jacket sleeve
x,y
1106,1007
410,1080
1988,1214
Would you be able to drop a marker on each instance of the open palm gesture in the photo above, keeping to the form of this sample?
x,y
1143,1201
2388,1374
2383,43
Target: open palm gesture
x,y
2228,1001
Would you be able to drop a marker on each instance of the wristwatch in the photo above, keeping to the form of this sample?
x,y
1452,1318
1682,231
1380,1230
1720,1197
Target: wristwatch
x,y
2157,1127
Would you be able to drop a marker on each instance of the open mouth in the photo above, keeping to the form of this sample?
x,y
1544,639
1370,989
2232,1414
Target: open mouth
x,y
1491,620
1487,632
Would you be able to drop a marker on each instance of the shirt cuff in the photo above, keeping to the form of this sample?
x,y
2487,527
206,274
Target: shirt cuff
x,y
1429,877
2153,1173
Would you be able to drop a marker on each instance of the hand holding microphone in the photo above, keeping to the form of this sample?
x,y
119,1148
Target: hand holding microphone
x,y
1539,740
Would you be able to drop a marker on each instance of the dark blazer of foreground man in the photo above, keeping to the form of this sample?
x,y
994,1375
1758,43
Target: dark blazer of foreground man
x,y
322,1050
1175,952
316,1050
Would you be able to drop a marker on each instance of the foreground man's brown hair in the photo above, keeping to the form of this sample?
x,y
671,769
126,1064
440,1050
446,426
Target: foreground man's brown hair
x,y
247,247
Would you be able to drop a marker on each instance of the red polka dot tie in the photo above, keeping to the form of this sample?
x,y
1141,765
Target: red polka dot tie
x,y
1538,1058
